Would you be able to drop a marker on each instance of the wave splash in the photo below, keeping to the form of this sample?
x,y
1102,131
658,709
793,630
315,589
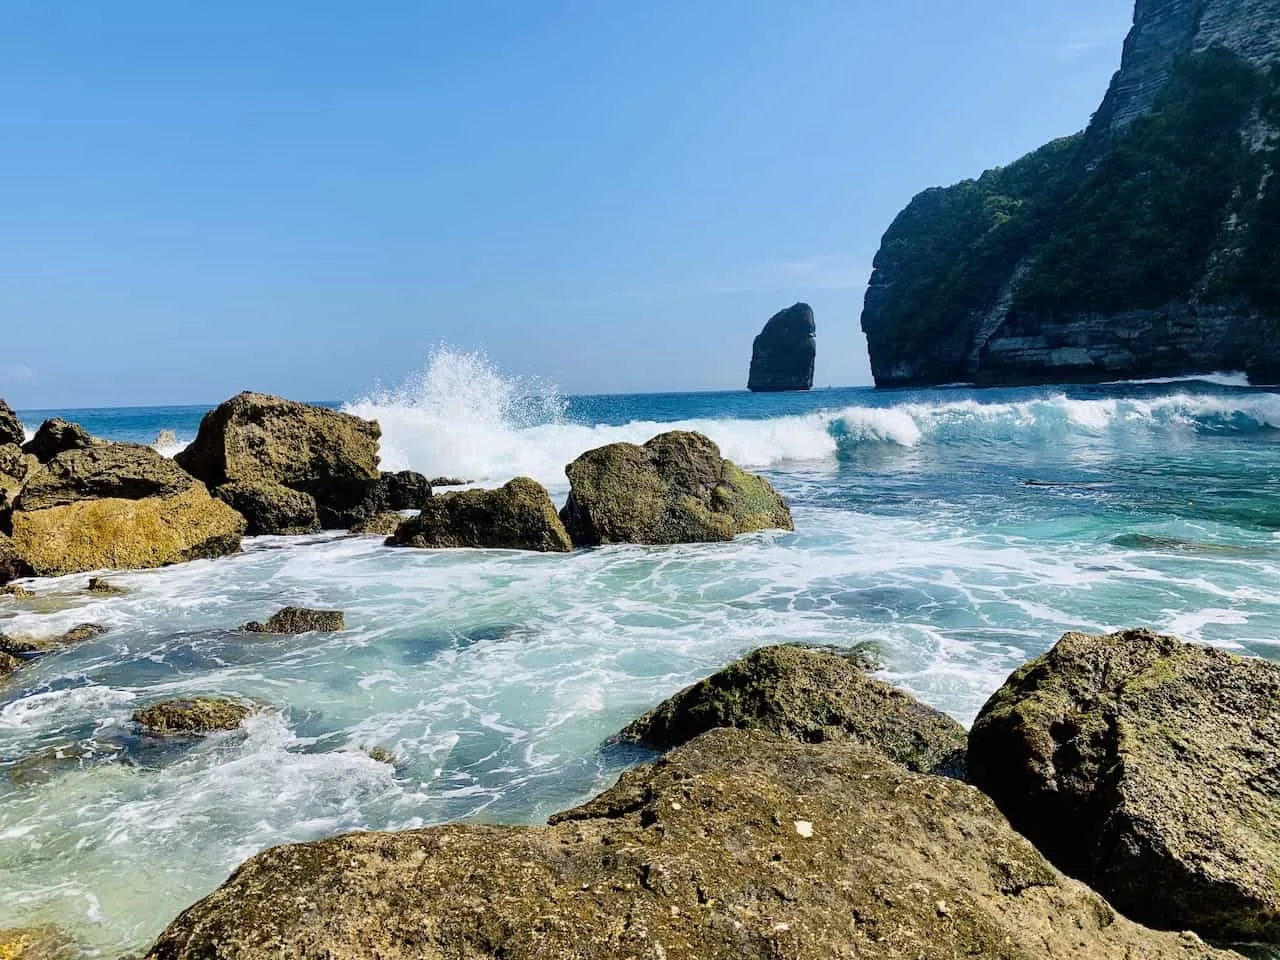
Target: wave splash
x,y
462,416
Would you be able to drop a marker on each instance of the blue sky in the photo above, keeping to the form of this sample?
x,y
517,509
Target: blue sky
x,y
305,197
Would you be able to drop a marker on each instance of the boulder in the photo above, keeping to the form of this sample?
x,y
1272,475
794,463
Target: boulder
x,y
674,489
782,355
197,715
1146,767
517,516
123,471
15,467
154,532
734,845
448,482
26,645
294,620
257,438
12,564
270,508
11,429
104,586
56,436
8,664
380,524
810,695
403,490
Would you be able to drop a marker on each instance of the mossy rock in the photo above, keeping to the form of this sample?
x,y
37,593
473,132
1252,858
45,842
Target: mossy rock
x,y
8,664
517,516
674,489
812,696
1148,768
36,943
196,715
271,508
380,524
104,587
734,845
295,620
123,471
15,468
57,436
126,534
26,645
12,564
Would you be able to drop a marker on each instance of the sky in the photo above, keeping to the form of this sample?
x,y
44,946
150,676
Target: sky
x,y
306,197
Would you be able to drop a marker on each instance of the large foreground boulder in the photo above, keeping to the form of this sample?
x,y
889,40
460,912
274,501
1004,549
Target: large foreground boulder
x,y
254,437
56,436
674,489
810,695
517,516
271,508
735,845
11,430
1150,769
152,532
782,355
124,471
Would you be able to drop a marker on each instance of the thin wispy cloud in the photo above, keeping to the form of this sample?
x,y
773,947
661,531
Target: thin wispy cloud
x,y
1077,41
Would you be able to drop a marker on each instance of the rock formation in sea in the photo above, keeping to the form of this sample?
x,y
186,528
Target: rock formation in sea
x,y
1148,245
517,516
194,716
296,620
1150,769
674,489
736,844
782,355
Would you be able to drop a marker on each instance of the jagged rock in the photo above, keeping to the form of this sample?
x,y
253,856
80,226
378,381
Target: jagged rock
x,y
115,533
8,664
1146,767
104,586
56,436
12,564
812,696
517,516
675,489
734,845
271,508
123,471
25,645
403,490
293,620
36,943
15,467
254,437
1144,247
11,430
197,715
782,355
380,524
448,482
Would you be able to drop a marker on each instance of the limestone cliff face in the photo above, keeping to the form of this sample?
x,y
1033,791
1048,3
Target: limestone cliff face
x,y
1147,245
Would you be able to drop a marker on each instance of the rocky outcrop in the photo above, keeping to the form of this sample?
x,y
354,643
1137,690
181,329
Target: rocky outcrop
x,y
8,664
1146,767
152,532
56,436
124,471
402,490
11,430
674,489
15,467
782,355
734,845
26,645
295,620
257,438
194,716
271,508
37,943
12,566
517,516
1146,246
810,695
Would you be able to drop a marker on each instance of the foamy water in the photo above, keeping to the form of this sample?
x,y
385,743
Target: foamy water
x,y
960,531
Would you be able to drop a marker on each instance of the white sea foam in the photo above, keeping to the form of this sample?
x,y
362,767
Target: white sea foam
x,y
1221,379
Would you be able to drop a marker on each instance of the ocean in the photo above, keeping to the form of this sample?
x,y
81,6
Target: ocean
x,y
962,531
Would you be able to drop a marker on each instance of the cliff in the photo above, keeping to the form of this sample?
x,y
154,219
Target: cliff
x,y
782,355
1148,245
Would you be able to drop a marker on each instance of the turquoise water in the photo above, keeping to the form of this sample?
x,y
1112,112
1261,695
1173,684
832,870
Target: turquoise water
x,y
961,530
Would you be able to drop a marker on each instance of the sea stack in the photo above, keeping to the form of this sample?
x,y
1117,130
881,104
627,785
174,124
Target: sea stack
x,y
783,353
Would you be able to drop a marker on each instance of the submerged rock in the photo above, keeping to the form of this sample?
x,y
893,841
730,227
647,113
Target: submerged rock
x,y
294,620
197,715
104,586
8,664
11,430
271,508
116,533
255,437
782,355
23,644
810,695
734,845
15,591
1146,767
674,489
56,436
36,943
517,516
123,471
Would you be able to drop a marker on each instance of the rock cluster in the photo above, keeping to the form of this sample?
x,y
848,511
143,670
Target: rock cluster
x,y
517,516
783,354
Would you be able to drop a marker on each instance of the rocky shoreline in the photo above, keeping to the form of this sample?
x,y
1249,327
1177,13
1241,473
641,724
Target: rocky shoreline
x,y
1117,797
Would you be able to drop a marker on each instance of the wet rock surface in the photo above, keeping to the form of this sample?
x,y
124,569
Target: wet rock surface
x,y
271,508
516,516
196,715
295,620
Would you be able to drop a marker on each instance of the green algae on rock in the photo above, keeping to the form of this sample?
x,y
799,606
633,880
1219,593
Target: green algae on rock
x,y
674,489
295,620
812,696
196,715
734,845
36,943
516,516
22,644
1147,767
